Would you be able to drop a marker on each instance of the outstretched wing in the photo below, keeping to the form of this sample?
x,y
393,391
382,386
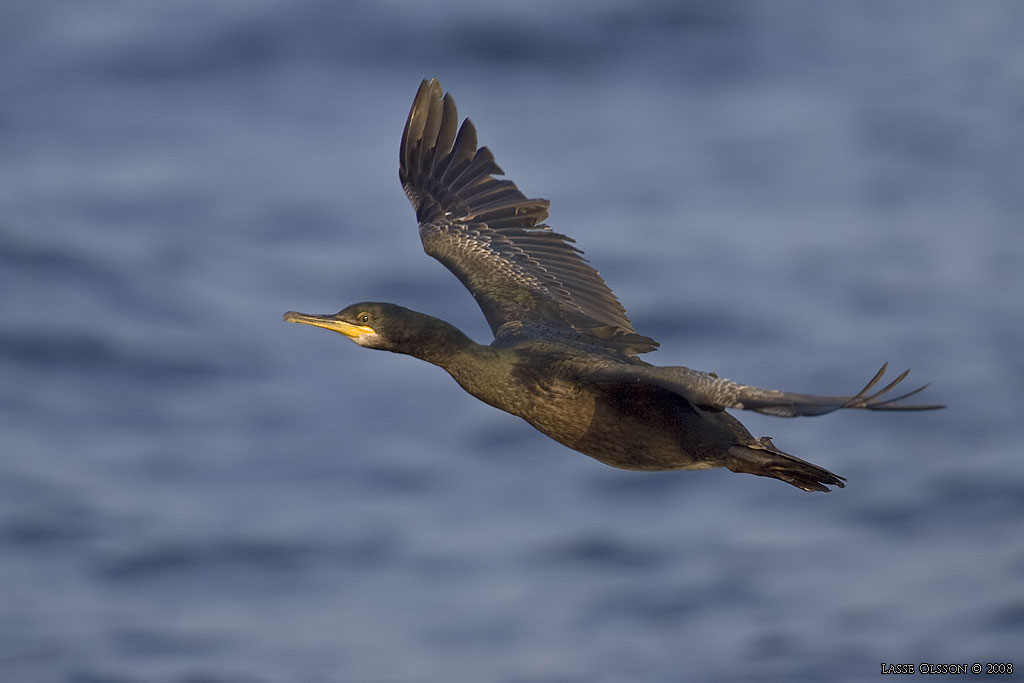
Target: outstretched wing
x,y
707,390
491,236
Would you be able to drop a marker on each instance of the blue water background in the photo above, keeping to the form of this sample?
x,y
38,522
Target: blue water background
x,y
786,193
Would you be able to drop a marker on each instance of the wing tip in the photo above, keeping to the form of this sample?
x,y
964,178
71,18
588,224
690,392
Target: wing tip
x,y
441,162
875,401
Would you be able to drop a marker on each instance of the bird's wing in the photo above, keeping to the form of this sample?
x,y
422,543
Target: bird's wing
x,y
709,391
491,236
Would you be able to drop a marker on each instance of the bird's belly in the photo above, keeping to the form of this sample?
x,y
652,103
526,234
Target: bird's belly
x,y
635,430
629,426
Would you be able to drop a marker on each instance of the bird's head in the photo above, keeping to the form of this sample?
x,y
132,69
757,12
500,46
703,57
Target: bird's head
x,y
368,324
387,327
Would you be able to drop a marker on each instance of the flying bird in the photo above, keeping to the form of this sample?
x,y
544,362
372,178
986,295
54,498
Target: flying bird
x,y
565,355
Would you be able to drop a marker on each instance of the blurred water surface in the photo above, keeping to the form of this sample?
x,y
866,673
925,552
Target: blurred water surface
x,y
786,193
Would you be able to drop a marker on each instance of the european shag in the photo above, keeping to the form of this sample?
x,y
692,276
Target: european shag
x,y
564,355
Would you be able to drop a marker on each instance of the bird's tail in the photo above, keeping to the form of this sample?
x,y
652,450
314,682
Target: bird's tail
x,y
762,458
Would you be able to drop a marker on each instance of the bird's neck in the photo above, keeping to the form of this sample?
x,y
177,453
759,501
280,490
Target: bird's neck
x,y
446,346
470,364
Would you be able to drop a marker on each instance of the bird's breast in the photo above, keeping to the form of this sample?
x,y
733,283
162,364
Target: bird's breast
x,y
551,403
562,410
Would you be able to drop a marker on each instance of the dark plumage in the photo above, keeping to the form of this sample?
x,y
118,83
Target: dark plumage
x,y
564,353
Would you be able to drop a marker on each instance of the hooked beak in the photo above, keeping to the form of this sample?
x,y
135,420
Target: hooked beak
x,y
329,322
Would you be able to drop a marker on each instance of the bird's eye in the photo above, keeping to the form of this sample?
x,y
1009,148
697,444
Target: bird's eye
x,y
364,318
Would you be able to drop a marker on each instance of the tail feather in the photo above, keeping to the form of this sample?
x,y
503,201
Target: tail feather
x,y
762,458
